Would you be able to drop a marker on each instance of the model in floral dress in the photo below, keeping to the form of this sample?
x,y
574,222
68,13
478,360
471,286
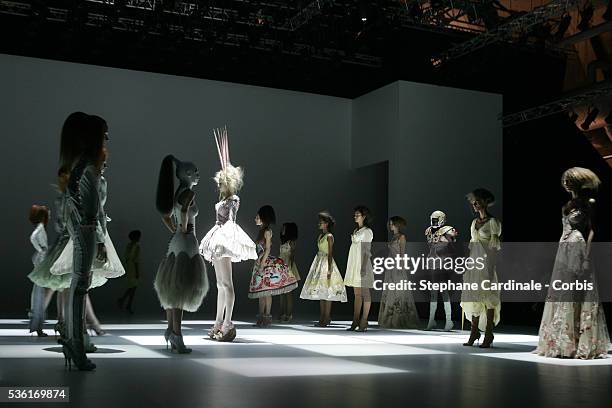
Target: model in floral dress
x,y
573,324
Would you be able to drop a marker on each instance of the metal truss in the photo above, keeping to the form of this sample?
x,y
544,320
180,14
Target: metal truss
x,y
587,96
214,34
306,14
515,28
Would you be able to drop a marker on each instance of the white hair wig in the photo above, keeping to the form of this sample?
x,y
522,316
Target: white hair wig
x,y
229,180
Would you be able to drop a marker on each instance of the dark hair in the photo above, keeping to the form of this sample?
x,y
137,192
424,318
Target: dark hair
x,y
482,194
329,219
63,170
267,217
291,232
134,235
367,215
165,186
38,214
82,137
398,221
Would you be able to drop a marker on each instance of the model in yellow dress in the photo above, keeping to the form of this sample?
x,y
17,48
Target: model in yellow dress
x,y
482,307
324,282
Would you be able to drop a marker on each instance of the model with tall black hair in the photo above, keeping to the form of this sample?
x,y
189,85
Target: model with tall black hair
x,y
226,243
181,281
324,282
359,272
482,307
270,274
289,235
82,151
573,323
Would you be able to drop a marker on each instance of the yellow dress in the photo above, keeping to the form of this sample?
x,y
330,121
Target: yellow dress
x,y
285,255
317,286
476,302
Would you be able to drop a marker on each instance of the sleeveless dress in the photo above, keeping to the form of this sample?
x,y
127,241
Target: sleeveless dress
x,y
397,307
316,285
101,270
181,281
273,279
477,302
226,238
359,272
41,274
38,238
285,255
573,329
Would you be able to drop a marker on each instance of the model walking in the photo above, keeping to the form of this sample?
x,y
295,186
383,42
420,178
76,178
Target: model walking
x,y
181,282
573,323
359,273
289,235
226,242
324,282
39,217
441,239
82,151
397,307
482,307
270,274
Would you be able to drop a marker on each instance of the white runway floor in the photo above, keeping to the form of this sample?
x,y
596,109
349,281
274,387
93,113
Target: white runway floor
x,y
303,366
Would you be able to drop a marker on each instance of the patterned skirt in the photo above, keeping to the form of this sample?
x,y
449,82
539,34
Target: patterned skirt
x,y
273,279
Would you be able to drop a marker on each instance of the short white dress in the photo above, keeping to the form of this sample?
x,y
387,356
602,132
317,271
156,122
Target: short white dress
x,y
359,272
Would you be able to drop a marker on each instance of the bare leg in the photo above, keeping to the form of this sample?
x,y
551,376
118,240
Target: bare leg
x,y
170,318
90,314
289,305
230,296
268,305
48,296
60,301
357,305
328,305
322,311
262,305
367,303
177,318
221,292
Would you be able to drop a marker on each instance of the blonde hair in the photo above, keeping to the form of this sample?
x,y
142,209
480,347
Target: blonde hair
x,y
229,180
579,178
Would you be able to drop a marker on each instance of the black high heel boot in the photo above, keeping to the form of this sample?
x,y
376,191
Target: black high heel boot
x,y
474,332
488,338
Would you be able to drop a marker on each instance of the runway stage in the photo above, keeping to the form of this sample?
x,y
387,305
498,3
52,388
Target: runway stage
x,y
298,365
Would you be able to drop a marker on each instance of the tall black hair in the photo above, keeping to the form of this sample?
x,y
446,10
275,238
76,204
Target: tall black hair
x,y
165,185
367,215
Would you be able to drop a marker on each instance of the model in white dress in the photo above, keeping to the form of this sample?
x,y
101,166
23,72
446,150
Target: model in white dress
x,y
359,271
38,239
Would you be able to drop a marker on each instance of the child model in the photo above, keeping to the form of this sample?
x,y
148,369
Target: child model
x,y
359,273
226,242
440,238
39,217
181,282
132,270
270,274
573,324
397,307
482,307
289,235
324,282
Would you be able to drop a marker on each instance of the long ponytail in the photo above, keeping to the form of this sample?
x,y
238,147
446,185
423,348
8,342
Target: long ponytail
x,y
165,185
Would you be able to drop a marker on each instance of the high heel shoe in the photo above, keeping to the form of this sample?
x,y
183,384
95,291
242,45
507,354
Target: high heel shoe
x,y
260,320
167,336
226,335
487,342
353,327
70,356
363,326
267,320
96,329
41,333
472,339
60,328
177,344
212,333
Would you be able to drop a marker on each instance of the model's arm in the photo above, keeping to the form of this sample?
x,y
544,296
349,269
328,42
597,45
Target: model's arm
x,y
186,200
402,245
267,248
330,255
